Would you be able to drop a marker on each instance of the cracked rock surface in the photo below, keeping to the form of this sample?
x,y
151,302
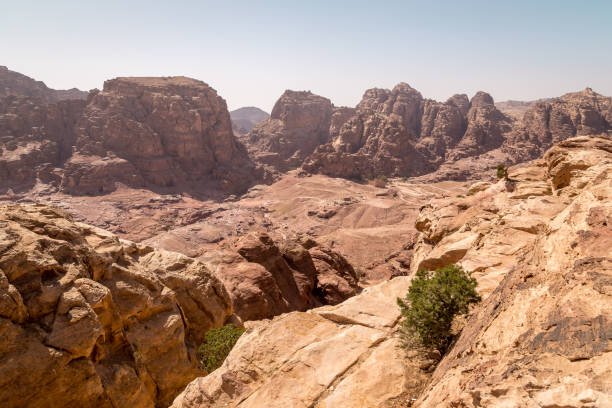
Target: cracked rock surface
x,y
87,319
344,355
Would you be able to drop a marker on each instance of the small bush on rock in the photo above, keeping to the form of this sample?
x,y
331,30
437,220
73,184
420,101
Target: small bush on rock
x,y
433,301
502,171
217,345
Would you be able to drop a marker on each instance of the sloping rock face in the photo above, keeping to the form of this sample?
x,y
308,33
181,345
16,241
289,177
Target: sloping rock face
x,y
15,84
399,133
539,246
243,119
169,133
91,320
335,356
299,122
267,278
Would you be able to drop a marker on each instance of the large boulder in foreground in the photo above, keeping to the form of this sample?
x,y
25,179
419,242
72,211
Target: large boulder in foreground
x,y
87,319
346,355
266,278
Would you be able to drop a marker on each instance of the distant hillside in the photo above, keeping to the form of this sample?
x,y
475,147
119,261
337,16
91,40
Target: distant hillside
x,y
517,109
14,83
243,119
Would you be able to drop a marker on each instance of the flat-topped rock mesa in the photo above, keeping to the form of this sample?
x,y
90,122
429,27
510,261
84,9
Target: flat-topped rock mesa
x,y
243,119
159,132
169,133
88,319
299,122
16,84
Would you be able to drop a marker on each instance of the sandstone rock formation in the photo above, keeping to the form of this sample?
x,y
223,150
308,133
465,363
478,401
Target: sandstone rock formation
x,y
266,278
172,132
574,114
91,320
399,133
334,356
539,246
299,122
243,119
179,133
35,138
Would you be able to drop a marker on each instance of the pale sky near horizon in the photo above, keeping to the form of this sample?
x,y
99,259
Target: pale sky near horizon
x,y
251,51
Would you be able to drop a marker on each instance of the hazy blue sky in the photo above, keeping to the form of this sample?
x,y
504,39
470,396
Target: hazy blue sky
x,y
251,51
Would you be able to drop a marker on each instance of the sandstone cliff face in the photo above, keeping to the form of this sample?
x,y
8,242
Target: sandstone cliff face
x,y
90,320
35,139
299,122
539,246
334,356
551,121
171,132
399,133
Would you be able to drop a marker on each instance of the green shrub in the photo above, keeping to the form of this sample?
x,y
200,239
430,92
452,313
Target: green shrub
x,y
217,345
502,171
432,302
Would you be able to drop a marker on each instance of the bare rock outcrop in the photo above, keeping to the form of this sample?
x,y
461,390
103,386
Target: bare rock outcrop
x,y
539,246
399,133
550,121
35,139
171,130
266,278
346,355
170,133
298,124
91,320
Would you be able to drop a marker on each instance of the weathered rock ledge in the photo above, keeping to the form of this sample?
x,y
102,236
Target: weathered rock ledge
x,y
346,355
87,319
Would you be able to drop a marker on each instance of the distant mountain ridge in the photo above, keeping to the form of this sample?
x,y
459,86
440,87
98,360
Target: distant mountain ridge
x,y
243,119
14,83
